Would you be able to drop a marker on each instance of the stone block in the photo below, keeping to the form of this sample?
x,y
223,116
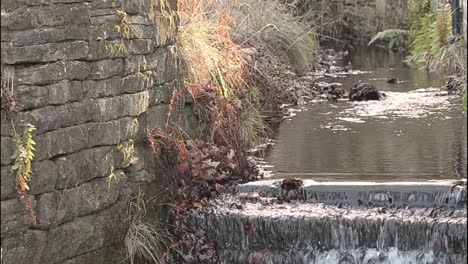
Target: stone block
x,y
8,73
24,248
137,6
157,116
107,133
96,89
43,178
13,217
6,36
100,4
107,31
83,166
102,88
64,92
106,19
139,20
113,254
140,46
188,121
88,233
171,64
7,150
61,206
53,72
47,118
61,141
66,1
161,94
141,63
137,82
46,16
106,49
142,32
49,35
106,68
6,127
165,63
44,52
32,97
11,5
102,12
129,127
55,117
123,105
8,186
141,176
166,30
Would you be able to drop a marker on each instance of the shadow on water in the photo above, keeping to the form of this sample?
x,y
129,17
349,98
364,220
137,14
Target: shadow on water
x,y
416,133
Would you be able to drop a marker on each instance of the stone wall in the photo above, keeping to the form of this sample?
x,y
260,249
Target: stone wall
x,y
91,75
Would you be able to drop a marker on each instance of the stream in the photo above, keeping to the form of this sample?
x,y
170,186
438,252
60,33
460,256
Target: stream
x,y
413,134
378,179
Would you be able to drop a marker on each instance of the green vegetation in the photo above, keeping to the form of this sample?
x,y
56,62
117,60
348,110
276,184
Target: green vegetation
x,y
395,38
23,157
23,154
430,42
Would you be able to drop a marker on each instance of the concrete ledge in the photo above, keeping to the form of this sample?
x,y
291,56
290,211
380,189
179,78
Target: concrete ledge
x,y
416,194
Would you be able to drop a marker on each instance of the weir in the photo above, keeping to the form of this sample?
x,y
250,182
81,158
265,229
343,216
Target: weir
x,y
255,226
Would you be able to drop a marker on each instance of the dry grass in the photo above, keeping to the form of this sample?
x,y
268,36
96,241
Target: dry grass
x,y
145,242
206,48
212,59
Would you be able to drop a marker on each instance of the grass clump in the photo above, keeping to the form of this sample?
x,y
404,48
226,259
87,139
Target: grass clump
x,y
212,59
145,242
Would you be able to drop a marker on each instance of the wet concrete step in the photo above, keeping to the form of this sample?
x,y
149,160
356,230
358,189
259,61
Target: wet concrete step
x,y
335,256
414,194
264,224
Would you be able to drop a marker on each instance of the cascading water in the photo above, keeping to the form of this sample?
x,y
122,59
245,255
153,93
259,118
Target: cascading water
x,y
253,228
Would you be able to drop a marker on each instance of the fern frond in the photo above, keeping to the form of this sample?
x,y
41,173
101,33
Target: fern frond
x,y
23,157
390,35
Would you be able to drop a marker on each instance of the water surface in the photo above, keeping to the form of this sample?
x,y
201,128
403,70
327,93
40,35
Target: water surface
x,y
416,133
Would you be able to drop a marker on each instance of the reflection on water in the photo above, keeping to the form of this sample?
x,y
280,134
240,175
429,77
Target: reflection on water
x,y
415,133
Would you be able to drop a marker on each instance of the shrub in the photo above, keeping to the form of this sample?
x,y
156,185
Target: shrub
x,y
430,48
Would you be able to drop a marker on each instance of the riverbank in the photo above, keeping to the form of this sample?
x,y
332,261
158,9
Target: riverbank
x,y
243,84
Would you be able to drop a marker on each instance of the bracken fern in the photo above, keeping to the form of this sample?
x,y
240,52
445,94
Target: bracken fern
x,y
23,157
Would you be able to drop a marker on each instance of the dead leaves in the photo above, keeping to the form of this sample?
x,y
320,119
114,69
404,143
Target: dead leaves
x,y
198,171
291,183
219,188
